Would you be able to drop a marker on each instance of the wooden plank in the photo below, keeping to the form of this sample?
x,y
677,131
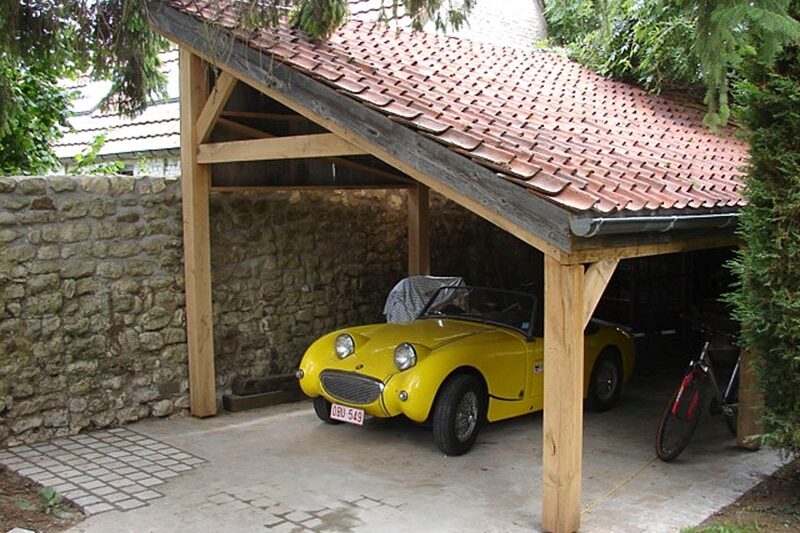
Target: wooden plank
x,y
563,396
195,182
214,105
597,277
644,249
277,148
260,134
281,117
419,246
263,189
751,403
526,215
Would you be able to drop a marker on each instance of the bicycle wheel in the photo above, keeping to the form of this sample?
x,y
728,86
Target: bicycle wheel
x,y
682,415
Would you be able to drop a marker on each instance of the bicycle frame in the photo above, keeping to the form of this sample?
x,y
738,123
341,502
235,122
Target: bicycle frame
x,y
725,399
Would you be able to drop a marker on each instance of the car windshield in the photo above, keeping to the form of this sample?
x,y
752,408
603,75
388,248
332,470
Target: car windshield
x,y
507,308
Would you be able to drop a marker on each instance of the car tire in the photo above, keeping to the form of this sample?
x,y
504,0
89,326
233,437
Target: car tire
x,y
323,409
458,414
605,383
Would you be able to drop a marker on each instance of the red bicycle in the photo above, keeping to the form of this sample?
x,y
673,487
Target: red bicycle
x,y
690,402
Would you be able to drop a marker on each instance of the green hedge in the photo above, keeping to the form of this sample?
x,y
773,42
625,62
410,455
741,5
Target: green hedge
x,y
767,299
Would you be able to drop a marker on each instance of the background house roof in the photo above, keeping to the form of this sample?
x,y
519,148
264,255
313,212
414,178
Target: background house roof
x,y
538,119
157,130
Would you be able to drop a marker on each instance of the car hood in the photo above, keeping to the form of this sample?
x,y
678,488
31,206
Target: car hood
x,y
374,354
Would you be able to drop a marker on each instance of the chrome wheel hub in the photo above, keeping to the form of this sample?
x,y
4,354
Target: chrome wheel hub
x,y
466,416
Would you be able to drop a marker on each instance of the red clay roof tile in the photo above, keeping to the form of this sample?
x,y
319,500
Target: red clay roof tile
x,y
539,119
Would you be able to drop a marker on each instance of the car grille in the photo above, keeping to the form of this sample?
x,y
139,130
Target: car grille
x,y
351,388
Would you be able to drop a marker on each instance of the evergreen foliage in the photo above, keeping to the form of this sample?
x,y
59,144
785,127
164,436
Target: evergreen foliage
x,y
767,297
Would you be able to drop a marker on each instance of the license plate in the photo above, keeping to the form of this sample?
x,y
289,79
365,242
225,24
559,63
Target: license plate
x,y
350,415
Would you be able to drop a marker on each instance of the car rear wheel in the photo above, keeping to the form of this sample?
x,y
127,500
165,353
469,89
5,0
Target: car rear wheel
x,y
605,384
458,414
323,409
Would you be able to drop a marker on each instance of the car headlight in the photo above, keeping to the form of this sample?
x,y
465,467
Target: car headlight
x,y
344,345
405,356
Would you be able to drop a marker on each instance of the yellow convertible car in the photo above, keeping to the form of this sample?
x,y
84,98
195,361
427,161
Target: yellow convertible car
x,y
472,355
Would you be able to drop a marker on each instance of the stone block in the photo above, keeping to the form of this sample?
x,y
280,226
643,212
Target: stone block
x,y
44,304
31,186
7,184
66,233
162,408
110,270
77,268
8,235
95,184
151,341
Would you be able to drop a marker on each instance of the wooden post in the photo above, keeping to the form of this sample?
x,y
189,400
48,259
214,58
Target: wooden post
x,y
195,183
419,248
750,403
563,395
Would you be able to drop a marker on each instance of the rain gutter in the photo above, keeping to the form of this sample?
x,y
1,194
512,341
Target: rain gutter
x,y
593,226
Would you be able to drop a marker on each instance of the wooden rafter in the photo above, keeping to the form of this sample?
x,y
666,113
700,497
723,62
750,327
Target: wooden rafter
x,y
256,133
276,148
214,105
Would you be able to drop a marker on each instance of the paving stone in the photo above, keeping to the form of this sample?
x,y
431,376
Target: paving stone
x,y
104,490
147,495
116,496
367,503
297,516
74,494
98,508
126,505
263,502
237,505
221,498
270,519
119,483
165,474
283,527
86,500
150,481
314,522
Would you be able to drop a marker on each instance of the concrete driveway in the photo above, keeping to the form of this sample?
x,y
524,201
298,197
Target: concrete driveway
x,y
280,469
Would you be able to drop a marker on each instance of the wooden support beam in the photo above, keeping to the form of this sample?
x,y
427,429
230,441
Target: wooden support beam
x,y
419,232
750,403
591,255
195,183
596,280
214,105
563,395
276,148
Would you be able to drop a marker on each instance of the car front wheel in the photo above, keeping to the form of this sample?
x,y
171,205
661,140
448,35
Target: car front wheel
x,y
458,414
323,409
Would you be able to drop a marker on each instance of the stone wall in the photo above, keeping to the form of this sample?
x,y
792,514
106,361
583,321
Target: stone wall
x,y
91,288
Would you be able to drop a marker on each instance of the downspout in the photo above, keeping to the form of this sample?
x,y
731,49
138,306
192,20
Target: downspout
x,y
592,226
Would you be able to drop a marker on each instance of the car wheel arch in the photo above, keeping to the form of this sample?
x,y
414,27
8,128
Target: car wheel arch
x,y
463,370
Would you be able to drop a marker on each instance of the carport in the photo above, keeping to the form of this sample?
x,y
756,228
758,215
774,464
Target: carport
x,y
589,172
